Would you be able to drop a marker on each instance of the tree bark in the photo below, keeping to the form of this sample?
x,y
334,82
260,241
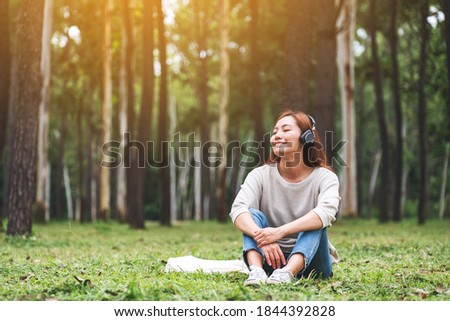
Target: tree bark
x,y
223,105
124,111
128,63
68,192
5,71
376,160
105,188
257,101
42,209
446,10
422,114
81,195
326,72
26,95
201,27
384,191
59,172
86,213
131,127
346,63
444,182
163,122
298,42
137,176
173,168
361,119
395,87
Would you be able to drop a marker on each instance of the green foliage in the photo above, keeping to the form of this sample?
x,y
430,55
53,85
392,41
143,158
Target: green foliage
x,y
108,261
408,19
76,78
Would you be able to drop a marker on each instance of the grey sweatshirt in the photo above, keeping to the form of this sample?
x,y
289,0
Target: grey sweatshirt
x,y
283,202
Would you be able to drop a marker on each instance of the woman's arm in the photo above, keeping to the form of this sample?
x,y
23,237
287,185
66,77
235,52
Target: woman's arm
x,y
245,223
309,222
272,252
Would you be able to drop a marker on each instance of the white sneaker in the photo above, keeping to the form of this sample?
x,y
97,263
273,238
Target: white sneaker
x,y
257,277
279,276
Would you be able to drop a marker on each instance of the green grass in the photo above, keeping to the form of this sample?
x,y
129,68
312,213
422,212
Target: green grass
x,y
108,261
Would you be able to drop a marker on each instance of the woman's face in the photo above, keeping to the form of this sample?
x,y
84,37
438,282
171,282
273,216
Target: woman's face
x,y
285,138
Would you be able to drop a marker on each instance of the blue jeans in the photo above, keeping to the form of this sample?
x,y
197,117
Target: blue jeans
x,y
312,244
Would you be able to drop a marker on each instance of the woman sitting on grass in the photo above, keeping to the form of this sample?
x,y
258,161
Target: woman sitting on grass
x,y
285,206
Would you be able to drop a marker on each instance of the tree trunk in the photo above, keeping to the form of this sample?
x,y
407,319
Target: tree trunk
x,y
383,204
124,111
223,105
68,192
201,28
446,34
59,172
128,63
346,63
298,42
26,95
81,196
257,103
162,122
373,181
42,210
197,187
395,87
422,114
137,176
86,214
173,167
5,70
444,182
131,115
361,119
326,72
446,9
105,187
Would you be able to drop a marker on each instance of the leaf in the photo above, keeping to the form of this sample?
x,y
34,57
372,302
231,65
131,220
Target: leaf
x,y
422,293
336,285
26,277
84,282
114,293
423,254
78,278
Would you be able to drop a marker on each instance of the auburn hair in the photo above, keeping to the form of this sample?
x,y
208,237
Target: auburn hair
x,y
313,153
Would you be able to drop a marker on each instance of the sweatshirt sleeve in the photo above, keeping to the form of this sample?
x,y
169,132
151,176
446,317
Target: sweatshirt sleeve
x,y
328,199
249,195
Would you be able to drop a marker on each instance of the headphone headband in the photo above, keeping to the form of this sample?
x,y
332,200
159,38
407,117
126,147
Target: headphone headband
x,y
313,122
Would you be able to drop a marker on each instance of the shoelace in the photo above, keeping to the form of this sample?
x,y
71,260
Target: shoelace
x,y
257,273
281,275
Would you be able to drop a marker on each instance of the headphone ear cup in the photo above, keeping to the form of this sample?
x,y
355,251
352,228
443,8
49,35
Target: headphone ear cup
x,y
307,137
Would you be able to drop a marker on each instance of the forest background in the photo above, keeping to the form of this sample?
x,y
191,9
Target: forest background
x,y
84,80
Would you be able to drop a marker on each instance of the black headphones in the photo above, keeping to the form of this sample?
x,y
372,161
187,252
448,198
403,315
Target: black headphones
x,y
308,136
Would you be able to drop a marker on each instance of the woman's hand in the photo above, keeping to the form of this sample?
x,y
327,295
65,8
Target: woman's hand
x,y
273,255
267,236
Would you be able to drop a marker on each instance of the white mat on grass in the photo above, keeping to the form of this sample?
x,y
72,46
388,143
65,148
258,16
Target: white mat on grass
x,y
193,264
